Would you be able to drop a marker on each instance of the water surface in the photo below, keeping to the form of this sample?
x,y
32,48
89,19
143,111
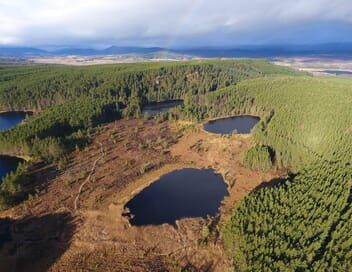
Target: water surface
x,y
10,119
242,124
154,108
8,164
182,193
338,72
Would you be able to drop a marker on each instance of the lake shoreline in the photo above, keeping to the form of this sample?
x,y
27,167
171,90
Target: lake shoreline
x,y
241,124
18,111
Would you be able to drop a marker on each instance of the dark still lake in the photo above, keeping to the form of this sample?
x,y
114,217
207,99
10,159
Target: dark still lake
x,y
154,108
179,194
10,119
8,164
242,124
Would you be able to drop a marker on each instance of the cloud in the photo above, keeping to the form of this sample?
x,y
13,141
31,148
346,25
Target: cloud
x,y
170,22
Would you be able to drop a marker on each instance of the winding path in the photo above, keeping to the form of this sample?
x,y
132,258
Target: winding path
x,y
88,178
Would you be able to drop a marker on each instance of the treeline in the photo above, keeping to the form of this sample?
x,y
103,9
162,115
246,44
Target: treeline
x,y
258,158
11,187
224,102
36,87
303,118
51,134
301,225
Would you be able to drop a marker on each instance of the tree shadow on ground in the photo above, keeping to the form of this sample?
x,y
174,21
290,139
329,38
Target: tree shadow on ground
x,y
276,182
271,183
34,243
39,176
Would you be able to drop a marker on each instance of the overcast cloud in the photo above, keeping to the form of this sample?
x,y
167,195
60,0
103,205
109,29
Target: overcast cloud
x,y
173,22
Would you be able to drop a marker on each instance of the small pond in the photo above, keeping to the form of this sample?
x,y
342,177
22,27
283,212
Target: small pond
x,y
8,164
241,124
179,194
154,108
11,119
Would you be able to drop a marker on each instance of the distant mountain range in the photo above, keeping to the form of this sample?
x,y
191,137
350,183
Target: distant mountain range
x,y
21,51
327,50
112,50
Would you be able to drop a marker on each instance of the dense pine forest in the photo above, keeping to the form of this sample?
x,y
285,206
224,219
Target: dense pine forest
x,y
258,158
305,222
302,224
37,87
60,128
303,119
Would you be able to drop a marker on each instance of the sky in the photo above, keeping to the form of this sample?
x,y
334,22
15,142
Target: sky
x,y
173,23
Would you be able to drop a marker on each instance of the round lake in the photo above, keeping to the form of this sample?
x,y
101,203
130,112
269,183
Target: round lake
x,y
242,124
179,194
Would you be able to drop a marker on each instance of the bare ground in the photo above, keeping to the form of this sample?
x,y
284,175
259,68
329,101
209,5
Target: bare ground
x,y
129,155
